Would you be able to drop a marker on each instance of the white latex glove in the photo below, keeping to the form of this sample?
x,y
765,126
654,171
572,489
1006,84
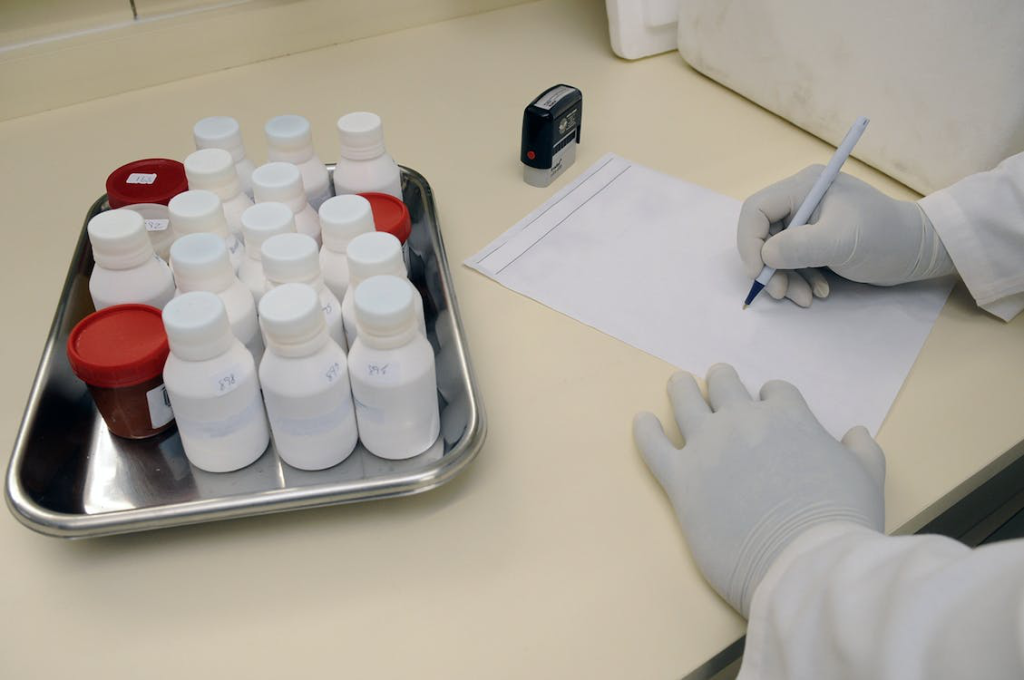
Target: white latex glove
x,y
754,474
856,231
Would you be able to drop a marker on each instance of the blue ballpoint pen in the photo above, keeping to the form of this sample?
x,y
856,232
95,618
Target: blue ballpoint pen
x,y
822,184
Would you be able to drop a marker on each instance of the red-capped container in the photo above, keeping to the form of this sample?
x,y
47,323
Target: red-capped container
x,y
147,186
120,352
391,215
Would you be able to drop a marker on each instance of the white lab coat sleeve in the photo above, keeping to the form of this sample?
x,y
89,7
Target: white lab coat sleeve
x,y
980,220
843,602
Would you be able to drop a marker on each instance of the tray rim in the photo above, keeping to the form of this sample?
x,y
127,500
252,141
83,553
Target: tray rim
x,y
71,525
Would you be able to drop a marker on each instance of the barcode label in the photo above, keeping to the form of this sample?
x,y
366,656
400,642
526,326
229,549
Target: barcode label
x,y
553,97
160,411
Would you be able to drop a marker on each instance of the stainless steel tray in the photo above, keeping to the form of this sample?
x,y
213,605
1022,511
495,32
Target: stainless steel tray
x,y
70,477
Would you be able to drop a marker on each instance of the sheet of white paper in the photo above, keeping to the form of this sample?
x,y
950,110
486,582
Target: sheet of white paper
x,y
651,260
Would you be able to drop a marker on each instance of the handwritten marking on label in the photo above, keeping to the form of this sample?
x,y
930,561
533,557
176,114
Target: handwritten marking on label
x,y
383,374
378,369
228,380
333,372
141,178
156,225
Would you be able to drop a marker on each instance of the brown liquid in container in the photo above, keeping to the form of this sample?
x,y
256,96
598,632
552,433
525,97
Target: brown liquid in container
x,y
119,352
126,410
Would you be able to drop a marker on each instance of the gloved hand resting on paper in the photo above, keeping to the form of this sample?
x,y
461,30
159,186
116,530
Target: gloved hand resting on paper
x,y
857,231
754,474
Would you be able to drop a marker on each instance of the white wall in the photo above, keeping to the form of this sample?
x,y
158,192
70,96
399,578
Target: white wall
x,y
54,53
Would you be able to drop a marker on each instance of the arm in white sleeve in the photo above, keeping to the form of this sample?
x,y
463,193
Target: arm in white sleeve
x,y
980,220
844,602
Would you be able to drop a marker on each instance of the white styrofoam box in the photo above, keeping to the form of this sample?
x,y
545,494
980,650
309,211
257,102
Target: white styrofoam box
x,y
941,80
640,28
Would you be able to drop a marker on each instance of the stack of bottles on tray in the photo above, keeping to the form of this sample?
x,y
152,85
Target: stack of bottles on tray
x,y
289,316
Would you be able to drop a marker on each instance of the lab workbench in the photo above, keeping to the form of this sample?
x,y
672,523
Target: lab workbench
x,y
554,554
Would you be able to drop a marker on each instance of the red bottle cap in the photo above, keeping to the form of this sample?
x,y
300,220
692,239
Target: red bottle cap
x,y
119,346
390,214
151,180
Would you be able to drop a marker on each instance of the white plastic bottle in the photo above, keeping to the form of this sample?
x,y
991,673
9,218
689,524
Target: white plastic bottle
x,y
127,269
374,254
212,384
391,367
222,132
213,170
289,139
304,375
259,223
365,164
292,258
200,262
282,182
342,218
200,212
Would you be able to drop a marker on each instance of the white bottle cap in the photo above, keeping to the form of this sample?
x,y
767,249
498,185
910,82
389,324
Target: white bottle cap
x,y
278,181
220,132
263,220
197,211
291,316
342,218
213,170
362,135
288,132
374,254
197,326
384,306
119,239
201,262
290,258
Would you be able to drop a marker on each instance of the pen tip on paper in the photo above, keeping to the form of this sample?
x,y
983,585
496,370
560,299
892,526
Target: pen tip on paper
x,y
745,306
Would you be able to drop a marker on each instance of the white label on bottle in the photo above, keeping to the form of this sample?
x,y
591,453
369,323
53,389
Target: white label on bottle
x,y
368,414
228,380
141,178
160,411
312,426
156,225
225,427
381,373
551,98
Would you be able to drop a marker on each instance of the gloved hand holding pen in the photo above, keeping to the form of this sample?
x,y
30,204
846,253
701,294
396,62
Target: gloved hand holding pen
x,y
856,231
783,520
